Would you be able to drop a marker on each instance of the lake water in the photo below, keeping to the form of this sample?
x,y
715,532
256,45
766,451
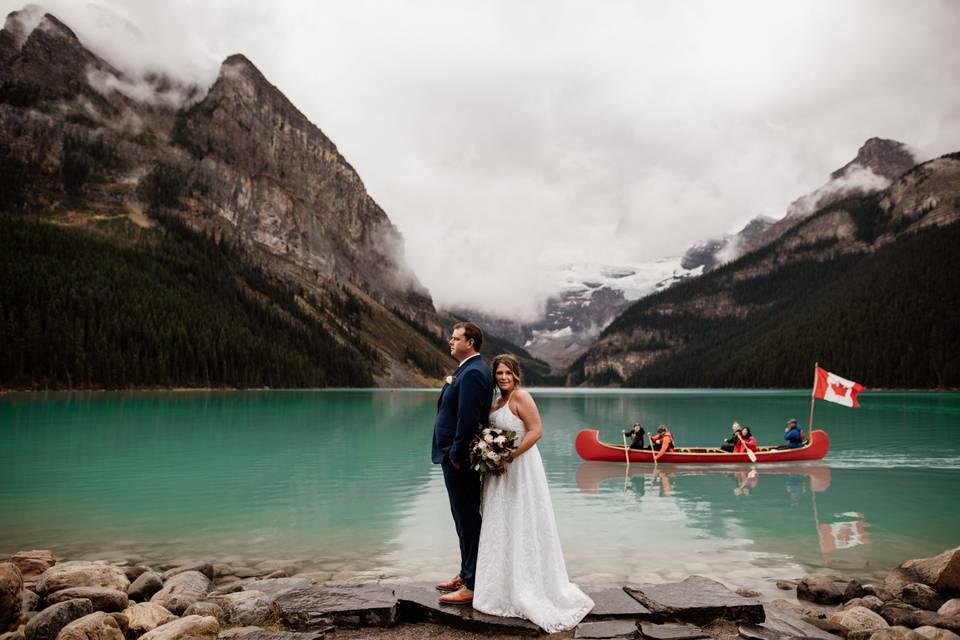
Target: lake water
x,y
339,483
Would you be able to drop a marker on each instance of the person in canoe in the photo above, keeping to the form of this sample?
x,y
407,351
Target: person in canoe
x,y
745,440
663,439
636,436
793,434
730,443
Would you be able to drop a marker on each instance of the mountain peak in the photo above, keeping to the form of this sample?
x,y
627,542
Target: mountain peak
x,y
51,25
19,24
239,63
887,158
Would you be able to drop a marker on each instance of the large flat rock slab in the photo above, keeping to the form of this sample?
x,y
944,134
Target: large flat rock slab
x,y
308,606
256,633
697,600
614,603
418,603
783,625
606,630
671,631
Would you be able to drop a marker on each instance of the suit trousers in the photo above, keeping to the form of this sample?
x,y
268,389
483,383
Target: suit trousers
x,y
463,489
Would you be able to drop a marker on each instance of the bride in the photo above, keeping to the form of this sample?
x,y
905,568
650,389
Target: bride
x,y
520,567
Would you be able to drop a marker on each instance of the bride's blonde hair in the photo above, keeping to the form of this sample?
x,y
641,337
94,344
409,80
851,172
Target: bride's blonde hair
x,y
512,363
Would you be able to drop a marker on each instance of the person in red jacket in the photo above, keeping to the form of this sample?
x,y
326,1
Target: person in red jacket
x,y
745,441
662,438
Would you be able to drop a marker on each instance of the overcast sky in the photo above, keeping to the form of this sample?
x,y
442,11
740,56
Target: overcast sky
x,y
504,136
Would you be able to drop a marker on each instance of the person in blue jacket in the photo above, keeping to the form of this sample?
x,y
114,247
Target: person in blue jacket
x,y
793,434
463,409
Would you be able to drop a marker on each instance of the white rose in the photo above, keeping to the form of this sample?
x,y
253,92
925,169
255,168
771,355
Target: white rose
x,y
449,380
488,438
501,440
482,445
495,457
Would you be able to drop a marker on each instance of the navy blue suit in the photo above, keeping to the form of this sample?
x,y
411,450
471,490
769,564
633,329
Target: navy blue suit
x,y
462,410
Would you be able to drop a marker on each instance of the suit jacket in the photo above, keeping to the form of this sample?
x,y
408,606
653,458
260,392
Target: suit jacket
x,y
462,410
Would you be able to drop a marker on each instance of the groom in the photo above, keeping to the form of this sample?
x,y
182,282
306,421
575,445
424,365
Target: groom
x,y
462,410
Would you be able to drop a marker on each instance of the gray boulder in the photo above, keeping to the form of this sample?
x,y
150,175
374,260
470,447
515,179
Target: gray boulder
x,y
48,623
134,571
96,626
870,602
950,608
853,590
229,587
895,633
146,616
81,574
204,608
31,601
102,599
900,613
11,596
921,596
188,627
181,591
942,572
879,592
201,567
144,586
935,633
32,563
249,608
820,590
859,619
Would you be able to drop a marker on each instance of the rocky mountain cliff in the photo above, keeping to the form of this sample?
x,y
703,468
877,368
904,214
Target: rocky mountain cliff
x,y
877,163
864,284
85,147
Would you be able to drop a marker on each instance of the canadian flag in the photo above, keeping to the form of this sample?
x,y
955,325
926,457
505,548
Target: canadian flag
x,y
830,386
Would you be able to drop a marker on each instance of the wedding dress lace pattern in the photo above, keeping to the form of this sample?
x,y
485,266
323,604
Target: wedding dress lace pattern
x,y
520,567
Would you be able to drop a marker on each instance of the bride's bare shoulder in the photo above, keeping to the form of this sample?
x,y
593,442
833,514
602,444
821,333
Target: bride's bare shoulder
x,y
522,395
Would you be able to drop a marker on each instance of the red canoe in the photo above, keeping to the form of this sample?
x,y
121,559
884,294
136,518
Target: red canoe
x,y
589,447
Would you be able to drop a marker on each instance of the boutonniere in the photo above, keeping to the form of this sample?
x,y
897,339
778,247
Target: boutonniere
x,y
449,379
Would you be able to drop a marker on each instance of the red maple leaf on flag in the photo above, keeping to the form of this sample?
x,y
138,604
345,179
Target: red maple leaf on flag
x,y
839,389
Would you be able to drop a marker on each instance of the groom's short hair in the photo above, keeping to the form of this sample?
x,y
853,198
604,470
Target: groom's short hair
x,y
471,332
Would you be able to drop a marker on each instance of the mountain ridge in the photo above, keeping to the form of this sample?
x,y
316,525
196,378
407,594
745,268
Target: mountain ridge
x,y
235,171
719,316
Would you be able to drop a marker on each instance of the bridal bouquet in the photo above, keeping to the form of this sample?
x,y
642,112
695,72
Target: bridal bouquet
x,y
490,449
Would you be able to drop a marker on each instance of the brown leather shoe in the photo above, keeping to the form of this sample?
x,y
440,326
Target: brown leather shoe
x,y
454,584
460,596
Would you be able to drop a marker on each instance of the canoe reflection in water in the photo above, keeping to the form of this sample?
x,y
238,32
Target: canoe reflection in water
x,y
801,482
591,474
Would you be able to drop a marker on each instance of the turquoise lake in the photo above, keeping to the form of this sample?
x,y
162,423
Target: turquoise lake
x,y
339,483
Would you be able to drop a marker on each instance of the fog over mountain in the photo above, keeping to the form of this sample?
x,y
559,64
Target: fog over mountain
x,y
500,138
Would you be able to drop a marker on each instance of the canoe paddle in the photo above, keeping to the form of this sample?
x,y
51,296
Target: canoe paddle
x,y
626,451
750,453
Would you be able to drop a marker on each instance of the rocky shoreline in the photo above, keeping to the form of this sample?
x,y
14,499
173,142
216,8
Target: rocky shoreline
x,y
42,598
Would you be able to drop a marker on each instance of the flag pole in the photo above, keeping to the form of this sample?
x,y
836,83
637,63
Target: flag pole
x,y
813,395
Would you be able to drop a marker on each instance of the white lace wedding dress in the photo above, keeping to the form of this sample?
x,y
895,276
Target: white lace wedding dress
x,y
520,567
